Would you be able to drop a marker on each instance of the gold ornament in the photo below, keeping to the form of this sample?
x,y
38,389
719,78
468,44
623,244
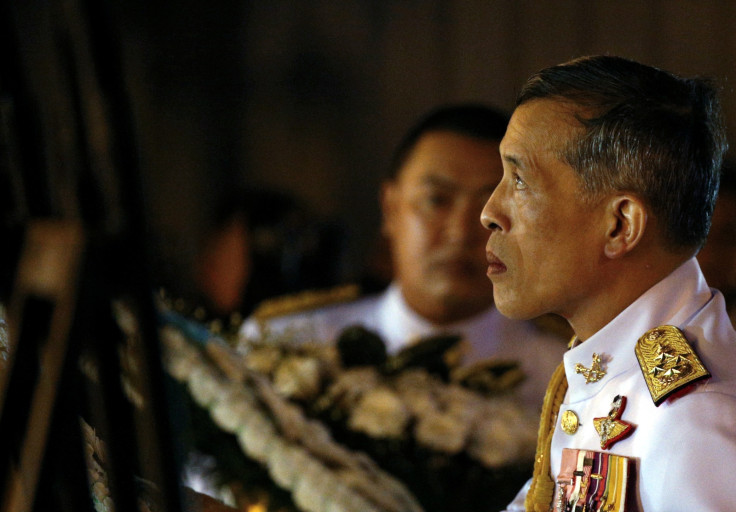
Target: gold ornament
x,y
668,362
569,422
611,428
594,373
542,489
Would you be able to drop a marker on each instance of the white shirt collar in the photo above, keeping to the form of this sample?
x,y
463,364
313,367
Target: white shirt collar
x,y
403,325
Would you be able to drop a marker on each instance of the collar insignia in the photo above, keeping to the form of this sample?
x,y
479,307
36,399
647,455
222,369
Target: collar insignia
x,y
594,373
668,362
611,428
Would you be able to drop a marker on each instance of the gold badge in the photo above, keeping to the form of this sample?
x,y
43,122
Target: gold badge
x,y
594,373
569,422
611,428
668,362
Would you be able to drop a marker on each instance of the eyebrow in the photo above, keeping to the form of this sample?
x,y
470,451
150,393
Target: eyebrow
x,y
514,160
438,180
442,182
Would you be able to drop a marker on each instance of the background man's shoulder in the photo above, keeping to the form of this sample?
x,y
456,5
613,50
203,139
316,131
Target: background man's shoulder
x,y
304,302
318,314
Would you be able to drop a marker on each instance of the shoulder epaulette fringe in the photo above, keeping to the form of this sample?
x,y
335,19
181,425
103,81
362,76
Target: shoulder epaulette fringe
x,y
305,301
541,493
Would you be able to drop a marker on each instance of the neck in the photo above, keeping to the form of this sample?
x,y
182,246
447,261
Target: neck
x,y
622,282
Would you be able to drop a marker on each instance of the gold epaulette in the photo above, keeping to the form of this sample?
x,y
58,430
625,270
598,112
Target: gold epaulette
x,y
668,362
305,301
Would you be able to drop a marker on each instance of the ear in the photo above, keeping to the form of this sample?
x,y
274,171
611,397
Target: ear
x,y
388,201
627,221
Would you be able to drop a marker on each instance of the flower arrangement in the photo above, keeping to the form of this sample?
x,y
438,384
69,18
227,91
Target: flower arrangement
x,y
342,426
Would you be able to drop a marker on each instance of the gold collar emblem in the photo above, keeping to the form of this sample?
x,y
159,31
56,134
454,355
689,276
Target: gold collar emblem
x,y
594,373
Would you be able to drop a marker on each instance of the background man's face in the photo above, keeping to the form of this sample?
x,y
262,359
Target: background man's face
x,y
431,219
545,241
224,266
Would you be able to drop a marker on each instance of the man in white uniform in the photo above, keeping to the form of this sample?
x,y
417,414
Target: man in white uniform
x,y
611,170
443,171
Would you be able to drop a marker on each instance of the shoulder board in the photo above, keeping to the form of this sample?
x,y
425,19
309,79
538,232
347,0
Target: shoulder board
x,y
668,362
305,301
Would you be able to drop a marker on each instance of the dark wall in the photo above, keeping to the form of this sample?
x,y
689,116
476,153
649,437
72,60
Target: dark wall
x,y
311,97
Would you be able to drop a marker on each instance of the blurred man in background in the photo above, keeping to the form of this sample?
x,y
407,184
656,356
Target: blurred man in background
x,y
442,173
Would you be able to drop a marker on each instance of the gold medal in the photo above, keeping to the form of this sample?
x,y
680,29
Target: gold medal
x,y
569,422
612,428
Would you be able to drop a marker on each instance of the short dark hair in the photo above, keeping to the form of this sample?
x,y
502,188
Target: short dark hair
x,y
472,119
646,131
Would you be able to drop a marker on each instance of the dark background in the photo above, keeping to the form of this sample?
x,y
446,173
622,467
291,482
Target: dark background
x,y
310,97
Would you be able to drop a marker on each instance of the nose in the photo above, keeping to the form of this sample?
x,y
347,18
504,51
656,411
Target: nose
x,y
491,217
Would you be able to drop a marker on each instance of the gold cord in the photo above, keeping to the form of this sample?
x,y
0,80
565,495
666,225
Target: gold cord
x,y
541,492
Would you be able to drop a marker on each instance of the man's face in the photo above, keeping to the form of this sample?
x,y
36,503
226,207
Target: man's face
x,y
431,219
545,244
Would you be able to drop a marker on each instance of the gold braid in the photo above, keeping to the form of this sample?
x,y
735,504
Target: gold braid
x,y
542,490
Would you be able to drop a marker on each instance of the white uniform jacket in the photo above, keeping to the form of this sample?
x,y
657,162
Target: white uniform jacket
x,y
488,334
684,451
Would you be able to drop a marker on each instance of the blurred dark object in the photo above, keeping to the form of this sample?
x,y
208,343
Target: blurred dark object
x,y
259,244
433,353
293,249
359,346
83,345
290,248
489,377
718,257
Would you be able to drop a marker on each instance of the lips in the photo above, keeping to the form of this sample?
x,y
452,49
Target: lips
x,y
495,265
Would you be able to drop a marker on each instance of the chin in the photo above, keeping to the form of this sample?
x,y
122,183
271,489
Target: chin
x,y
513,310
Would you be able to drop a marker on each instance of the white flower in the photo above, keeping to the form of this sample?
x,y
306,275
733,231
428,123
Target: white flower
x,y
350,385
504,434
380,413
441,432
263,359
233,409
298,377
205,385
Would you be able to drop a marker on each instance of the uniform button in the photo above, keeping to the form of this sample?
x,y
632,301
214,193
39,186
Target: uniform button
x,y
569,422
